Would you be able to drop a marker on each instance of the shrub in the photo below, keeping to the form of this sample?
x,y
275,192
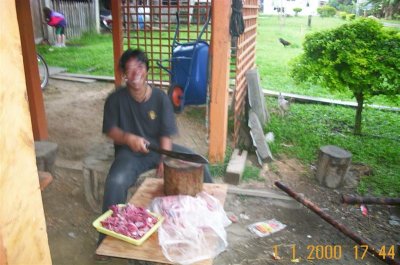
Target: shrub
x,y
297,10
350,16
343,15
361,56
326,11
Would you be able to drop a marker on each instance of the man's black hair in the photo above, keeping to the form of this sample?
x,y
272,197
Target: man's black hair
x,y
46,12
129,54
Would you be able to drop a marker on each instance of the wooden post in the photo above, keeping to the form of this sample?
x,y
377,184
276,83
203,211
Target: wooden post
x,y
97,17
220,58
182,178
333,163
32,78
117,39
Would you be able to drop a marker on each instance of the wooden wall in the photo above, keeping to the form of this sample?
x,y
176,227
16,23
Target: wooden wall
x,y
22,224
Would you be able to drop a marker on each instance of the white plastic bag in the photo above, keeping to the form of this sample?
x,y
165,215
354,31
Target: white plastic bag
x,y
193,229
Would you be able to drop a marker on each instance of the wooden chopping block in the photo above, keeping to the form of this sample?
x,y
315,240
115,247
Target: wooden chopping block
x,y
182,178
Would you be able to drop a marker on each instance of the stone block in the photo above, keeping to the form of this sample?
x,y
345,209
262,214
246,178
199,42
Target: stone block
x,y
235,168
46,153
333,164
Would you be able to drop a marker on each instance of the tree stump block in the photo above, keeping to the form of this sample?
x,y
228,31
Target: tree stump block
x,y
182,178
333,164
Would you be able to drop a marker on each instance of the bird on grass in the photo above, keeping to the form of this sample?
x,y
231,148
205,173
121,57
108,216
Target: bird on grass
x,y
284,42
283,104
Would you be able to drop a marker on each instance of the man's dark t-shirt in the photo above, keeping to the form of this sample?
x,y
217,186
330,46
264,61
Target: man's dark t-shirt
x,y
151,119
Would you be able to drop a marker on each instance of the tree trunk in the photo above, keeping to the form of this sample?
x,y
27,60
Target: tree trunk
x,y
360,104
388,10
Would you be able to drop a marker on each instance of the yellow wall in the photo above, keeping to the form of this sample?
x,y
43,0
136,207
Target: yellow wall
x,y
22,223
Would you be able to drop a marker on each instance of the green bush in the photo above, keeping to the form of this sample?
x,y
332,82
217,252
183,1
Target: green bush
x,y
350,16
343,15
297,10
326,11
360,56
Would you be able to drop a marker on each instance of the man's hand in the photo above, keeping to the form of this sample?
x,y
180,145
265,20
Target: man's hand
x,y
136,143
166,144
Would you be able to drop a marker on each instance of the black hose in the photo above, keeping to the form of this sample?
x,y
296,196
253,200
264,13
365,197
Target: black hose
x,y
236,26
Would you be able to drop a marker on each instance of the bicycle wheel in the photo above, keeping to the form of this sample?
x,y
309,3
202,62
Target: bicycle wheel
x,y
43,71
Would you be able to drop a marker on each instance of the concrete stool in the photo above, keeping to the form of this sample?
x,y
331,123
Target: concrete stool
x,y
46,153
333,164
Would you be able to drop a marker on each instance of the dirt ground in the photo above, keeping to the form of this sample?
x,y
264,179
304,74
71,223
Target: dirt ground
x,y
74,111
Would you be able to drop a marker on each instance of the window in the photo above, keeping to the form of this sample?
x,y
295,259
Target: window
x,y
170,2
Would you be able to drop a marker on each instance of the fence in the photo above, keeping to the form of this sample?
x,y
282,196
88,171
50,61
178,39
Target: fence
x,y
80,15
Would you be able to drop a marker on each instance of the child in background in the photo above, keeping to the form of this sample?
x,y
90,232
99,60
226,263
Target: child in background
x,y
56,20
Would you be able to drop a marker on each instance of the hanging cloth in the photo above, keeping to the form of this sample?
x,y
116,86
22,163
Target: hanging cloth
x,y
236,26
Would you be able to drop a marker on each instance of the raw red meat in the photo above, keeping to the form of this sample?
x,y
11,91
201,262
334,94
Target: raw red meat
x,y
129,221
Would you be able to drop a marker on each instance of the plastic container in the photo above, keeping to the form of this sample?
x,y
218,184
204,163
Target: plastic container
x,y
194,55
138,242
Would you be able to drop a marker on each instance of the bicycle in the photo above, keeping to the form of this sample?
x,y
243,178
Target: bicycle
x,y
43,71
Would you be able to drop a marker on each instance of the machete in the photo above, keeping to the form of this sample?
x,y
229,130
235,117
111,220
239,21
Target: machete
x,y
195,158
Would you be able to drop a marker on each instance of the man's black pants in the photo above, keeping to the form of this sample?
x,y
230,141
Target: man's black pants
x,y
126,169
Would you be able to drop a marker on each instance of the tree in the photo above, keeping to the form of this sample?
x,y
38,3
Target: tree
x,y
361,56
326,11
297,10
386,8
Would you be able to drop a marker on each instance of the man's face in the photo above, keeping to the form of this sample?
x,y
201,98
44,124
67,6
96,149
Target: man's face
x,y
136,74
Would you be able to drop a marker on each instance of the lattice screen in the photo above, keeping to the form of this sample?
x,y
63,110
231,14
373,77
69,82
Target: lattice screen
x,y
150,26
243,60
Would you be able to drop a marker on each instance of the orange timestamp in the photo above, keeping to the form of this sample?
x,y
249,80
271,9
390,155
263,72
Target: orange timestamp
x,y
334,252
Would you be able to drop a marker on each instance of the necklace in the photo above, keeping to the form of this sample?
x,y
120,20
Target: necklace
x,y
143,97
145,94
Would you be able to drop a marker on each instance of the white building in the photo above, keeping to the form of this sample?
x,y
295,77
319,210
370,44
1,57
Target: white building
x,y
279,7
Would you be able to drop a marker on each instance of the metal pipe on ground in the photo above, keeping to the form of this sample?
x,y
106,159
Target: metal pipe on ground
x,y
351,199
310,205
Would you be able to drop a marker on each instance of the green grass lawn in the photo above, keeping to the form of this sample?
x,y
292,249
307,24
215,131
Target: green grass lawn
x,y
310,126
272,57
91,54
